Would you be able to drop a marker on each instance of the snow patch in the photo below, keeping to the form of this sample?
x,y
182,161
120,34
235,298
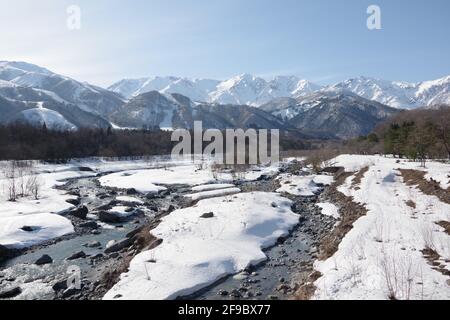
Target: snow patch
x,y
197,252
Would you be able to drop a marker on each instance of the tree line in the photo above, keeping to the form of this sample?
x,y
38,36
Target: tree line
x,y
24,142
416,134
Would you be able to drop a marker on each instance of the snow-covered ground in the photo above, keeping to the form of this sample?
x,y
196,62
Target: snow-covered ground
x,y
212,193
305,186
434,170
329,209
153,180
210,187
197,251
381,256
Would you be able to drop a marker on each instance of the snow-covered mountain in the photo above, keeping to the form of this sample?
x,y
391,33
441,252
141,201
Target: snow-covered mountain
x,y
331,112
244,89
90,98
255,91
400,94
36,106
171,111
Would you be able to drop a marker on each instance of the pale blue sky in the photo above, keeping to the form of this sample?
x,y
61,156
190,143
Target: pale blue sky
x,y
323,41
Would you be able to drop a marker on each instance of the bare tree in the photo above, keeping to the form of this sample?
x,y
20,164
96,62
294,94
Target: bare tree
x,y
34,185
10,174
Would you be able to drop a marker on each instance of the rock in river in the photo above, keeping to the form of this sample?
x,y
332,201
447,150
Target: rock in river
x,y
90,225
5,253
74,202
45,259
80,212
77,255
117,246
108,217
10,293
93,244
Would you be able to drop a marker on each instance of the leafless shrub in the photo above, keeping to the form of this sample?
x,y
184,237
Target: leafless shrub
x,y
17,179
399,273
33,186
322,158
428,237
379,230
10,174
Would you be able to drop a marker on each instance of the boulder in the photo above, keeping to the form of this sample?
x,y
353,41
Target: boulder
x,y
74,202
118,246
108,217
5,253
136,231
132,191
45,259
80,212
77,255
10,293
93,244
60,285
207,215
90,225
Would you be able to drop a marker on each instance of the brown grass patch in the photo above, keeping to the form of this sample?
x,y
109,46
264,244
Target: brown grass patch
x,y
142,240
431,188
349,211
307,289
445,225
433,259
358,177
411,204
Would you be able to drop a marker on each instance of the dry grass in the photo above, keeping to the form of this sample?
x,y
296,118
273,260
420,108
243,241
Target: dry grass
x,y
307,289
445,225
411,204
358,177
432,188
433,260
349,211
142,240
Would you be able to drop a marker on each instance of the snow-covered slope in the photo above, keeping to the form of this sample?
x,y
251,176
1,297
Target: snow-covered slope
x,y
400,94
88,97
36,106
243,89
331,112
172,111
52,119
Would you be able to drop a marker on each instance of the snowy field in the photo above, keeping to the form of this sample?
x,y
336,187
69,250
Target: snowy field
x,y
381,256
146,181
305,186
